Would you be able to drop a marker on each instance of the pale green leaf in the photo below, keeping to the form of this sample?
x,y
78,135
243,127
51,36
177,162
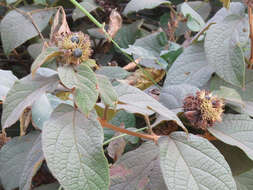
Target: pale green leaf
x,y
244,181
113,72
23,94
223,51
17,28
85,83
72,144
6,82
51,186
138,169
13,157
192,162
236,130
137,5
89,5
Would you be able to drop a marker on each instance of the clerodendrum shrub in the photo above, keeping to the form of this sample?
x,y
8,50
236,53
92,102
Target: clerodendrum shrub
x,y
197,136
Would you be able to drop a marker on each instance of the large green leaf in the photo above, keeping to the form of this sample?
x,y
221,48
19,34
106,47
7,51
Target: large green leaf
x,y
113,72
137,5
137,101
32,165
244,181
23,94
6,82
44,56
223,48
106,91
138,169
190,67
72,144
85,83
89,5
192,162
17,28
51,186
13,157
236,130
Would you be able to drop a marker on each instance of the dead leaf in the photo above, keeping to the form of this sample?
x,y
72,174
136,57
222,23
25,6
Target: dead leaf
x,y
117,146
25,119
115,23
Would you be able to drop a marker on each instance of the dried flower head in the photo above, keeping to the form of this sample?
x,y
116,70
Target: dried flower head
x,y
248,3
203,110
76,47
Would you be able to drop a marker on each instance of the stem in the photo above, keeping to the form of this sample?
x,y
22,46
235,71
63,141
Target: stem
x,y
122,135
101,26
251,36
140,135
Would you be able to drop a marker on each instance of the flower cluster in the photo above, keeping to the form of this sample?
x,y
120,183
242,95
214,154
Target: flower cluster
x,y
203,110
76,47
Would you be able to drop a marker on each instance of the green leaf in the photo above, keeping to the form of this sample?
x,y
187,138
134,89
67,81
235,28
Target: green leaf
x,y
72,144
85,83
13,157
23,94
192,162
6,82
127,34
40,2
244,180
138,169
44,56
137,5
32,165
190,67
136,101
172,53
35,49
172,96
223,51
235,130
201,7
51,186
113,72
17,28
106,91
89,5
194,21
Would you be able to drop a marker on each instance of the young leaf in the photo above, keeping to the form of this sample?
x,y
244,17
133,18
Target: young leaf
x,y
138,169
137,5
85,83
235,130
191,162
6,82
72,144
89,5
223,51
190,67
13,157
106,91
17,28
32,165
45,56
23,94
137,101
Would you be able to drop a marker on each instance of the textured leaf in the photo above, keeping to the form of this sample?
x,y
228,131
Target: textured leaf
x,y
89,5
172,96
113,72
85,83
106,91
6,82
137,101
127,34
137,5
201,7
32,165
190,67
244,181
35,49
223,51
45,56
13,158
235,130
192,162
72,144
17,28
23,94
194,21
138,169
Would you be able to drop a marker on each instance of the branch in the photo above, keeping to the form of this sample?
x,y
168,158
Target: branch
x,y
251,36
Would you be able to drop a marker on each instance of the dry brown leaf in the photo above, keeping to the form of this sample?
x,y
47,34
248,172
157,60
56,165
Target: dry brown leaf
x,y
115,23
25,119
117,146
